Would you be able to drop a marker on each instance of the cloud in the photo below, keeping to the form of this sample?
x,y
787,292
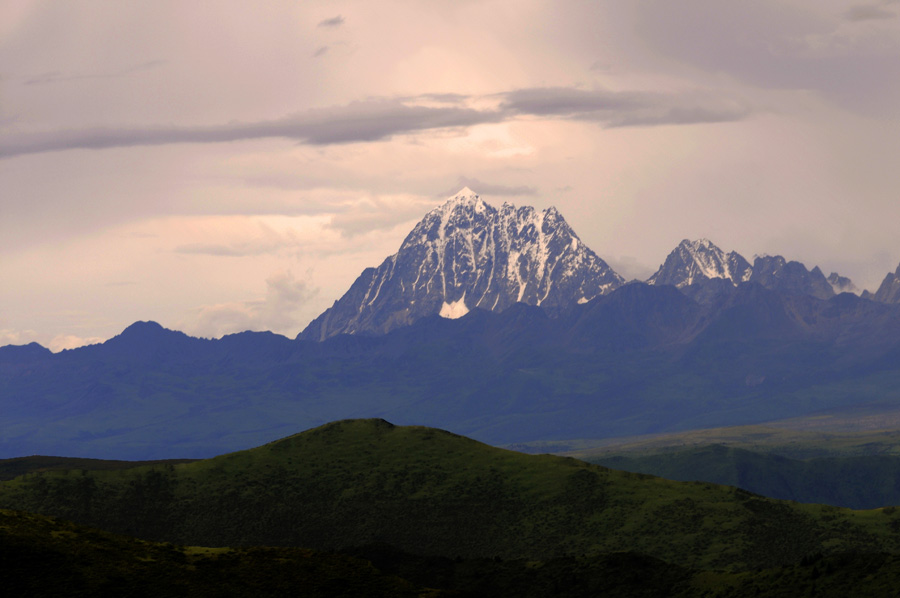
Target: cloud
x,y
70,341
774,45
445,98
379,213
234,250
322,51
382,118
868,12
482,187
55,344
278,311
332,22
625,109
372,120
57,77
630,268
16,337
260,239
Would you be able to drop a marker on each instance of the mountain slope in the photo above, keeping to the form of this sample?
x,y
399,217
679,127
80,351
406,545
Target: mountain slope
x,y
430,492
774,272
466,254
889,291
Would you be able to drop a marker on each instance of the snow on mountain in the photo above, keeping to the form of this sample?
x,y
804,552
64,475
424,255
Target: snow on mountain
x,y
696,261
467,254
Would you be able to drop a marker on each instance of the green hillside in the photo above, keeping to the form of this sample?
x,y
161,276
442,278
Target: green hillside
x,y
846,433
429,492
12,468
861,482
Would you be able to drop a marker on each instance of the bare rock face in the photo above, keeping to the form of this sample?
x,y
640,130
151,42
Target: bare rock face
x,y
889,291
776,273
468,254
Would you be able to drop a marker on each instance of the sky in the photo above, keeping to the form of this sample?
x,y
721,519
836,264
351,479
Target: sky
x,y
229,166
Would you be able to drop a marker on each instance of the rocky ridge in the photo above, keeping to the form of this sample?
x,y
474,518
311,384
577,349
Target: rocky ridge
x,y
701,262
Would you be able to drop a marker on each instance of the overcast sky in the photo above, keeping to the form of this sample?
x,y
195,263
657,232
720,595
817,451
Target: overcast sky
x,y
225,166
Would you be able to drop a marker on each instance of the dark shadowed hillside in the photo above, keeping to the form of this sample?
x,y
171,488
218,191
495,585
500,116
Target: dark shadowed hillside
x,y
429,492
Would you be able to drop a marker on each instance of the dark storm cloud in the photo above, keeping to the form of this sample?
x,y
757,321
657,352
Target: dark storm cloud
x,y
869,12
379,119
332,22
490,188
625,109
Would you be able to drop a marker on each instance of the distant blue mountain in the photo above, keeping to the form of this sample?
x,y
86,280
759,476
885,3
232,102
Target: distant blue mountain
x,y
640,359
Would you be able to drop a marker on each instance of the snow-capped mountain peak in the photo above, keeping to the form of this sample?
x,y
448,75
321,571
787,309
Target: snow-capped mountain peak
x,y
695,261
467,254
465,193
463,197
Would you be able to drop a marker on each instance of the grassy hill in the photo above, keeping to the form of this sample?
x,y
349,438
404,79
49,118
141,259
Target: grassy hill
x,y
13,468
860,482
848,458
867,430
433,493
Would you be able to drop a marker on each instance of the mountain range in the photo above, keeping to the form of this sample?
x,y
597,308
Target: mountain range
x,y
466,254
642,359
496,323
